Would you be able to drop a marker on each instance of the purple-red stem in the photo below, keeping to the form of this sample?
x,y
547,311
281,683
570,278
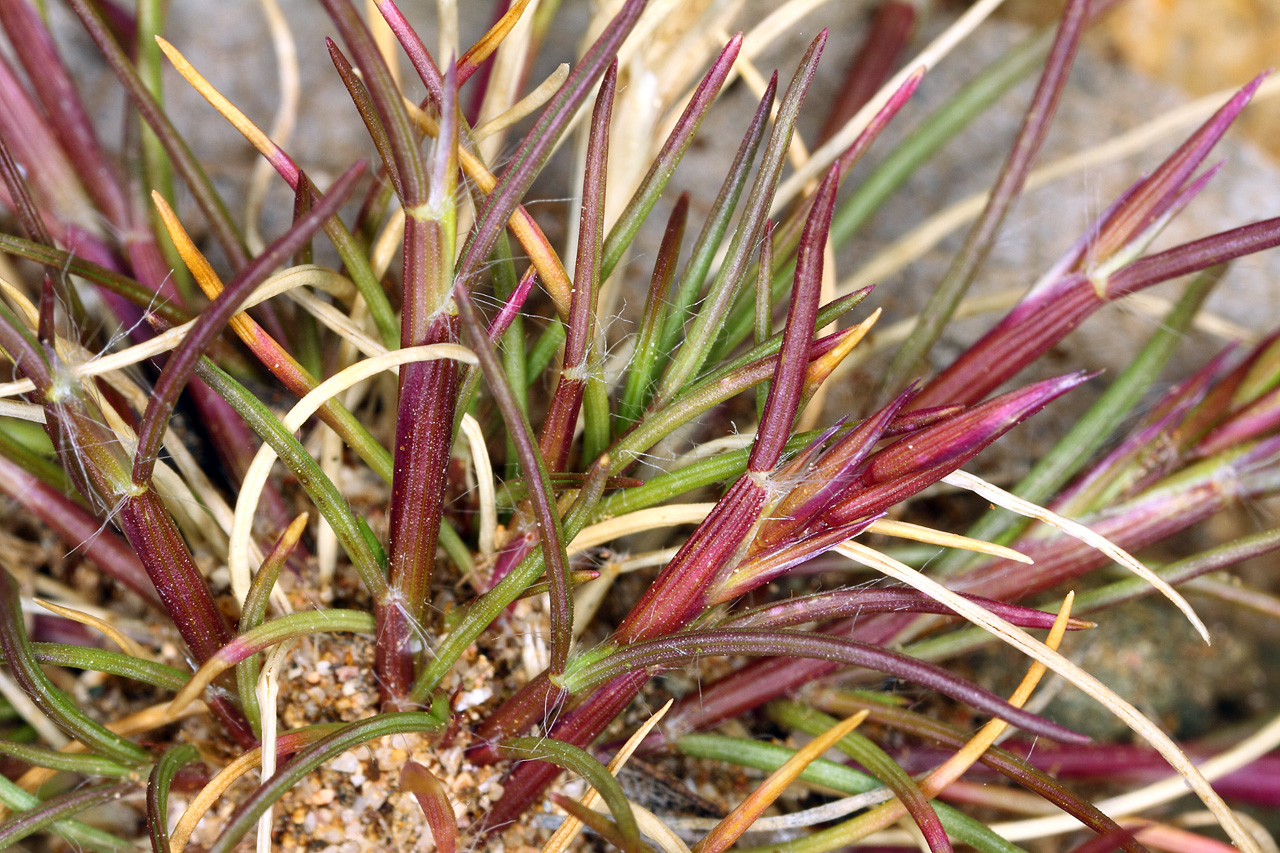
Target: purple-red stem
x,y
558,427
39,57
211,322
541,493
578,727
540,141
851,602
182,589
980,240
806,294
666,652
680,592
1152,197
33,144
1033,327
413,47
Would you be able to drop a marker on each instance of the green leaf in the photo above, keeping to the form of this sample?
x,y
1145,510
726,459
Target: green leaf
x,y
57,809
162,775
583,763
111,662
61,708
86,765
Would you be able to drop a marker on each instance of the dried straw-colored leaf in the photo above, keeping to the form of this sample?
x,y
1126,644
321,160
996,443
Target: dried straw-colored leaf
x,y
218,101
741,818
843,138
1156,794
484,482
1024,642
29,712
268,688
955,767
22,411
525,106
128,646
1076,530
653,518
283,282
569,830
282,125
921,533
199,265
209,795
136,723
489,42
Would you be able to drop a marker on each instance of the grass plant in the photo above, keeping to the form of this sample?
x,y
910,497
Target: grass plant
x,y
538,444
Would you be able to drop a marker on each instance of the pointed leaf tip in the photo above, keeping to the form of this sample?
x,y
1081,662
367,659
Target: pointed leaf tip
x,y
784,396
957,439
431,796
